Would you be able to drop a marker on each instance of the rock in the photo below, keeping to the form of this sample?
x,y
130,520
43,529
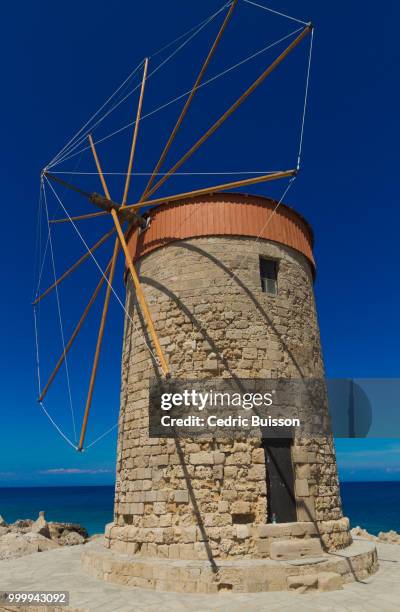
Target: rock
x,y
58,529
41,526
392,537
71,538
2,522
4,530
295,549
22,526
362,533
13,545
329,581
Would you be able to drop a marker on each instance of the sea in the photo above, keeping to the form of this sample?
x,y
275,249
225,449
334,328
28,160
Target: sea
x,y
375,506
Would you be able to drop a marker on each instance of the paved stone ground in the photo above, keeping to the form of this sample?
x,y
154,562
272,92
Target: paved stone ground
x,y
61,570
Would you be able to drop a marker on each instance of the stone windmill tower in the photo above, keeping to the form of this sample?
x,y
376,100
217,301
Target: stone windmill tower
x,y
210,504
219,284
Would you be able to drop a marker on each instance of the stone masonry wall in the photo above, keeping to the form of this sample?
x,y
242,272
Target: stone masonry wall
x,y
207,499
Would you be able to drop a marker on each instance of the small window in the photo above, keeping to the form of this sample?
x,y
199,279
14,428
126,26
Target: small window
x,y
269,275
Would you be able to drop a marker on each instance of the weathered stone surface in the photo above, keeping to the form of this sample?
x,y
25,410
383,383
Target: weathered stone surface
x,y
14,545
295,549
41,526
58,529
389,536
211,322
71,538
26,536
362,533
248,575
302,583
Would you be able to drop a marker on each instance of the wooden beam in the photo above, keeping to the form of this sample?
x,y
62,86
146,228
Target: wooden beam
x,y
135,133
141,297
80,217
118,242
98,347
76,264
263,178
189,100
104,313
74,335
232,108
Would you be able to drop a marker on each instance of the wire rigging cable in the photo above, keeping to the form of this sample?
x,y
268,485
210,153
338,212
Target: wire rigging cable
x,y
74,147
102,272
70,155
59,314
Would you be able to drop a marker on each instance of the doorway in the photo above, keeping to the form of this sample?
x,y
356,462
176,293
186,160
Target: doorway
x,y
281,499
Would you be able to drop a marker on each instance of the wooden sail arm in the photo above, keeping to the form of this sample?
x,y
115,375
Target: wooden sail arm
x,y
135,278
189,100
135,134
142,299
232,108
119,242
99,343
105,203
262,178
84,257
73,336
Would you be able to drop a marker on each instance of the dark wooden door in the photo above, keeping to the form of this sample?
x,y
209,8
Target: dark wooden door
x,y
280,480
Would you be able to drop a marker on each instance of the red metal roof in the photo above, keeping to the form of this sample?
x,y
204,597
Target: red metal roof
x,y
224,214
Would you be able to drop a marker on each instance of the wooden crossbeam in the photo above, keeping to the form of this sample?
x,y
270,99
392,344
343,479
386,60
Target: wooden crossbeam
x,y
119,242
141,297
79,217
75,265
98,348
135,134
263,178
231,109
189,100
73,336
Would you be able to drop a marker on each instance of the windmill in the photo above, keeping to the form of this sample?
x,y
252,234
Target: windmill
x,y
128,217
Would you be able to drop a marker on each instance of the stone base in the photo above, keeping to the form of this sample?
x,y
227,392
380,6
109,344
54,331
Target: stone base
x,y
326,572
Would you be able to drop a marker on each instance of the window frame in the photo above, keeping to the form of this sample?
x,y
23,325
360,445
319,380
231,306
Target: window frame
x,y
263,279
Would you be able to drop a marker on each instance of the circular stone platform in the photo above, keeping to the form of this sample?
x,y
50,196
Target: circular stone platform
x,y
326,572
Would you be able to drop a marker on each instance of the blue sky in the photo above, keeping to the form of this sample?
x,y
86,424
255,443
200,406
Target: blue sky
x,y
64,60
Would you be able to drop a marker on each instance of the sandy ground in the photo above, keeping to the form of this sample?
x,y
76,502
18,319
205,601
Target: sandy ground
x,y
61,570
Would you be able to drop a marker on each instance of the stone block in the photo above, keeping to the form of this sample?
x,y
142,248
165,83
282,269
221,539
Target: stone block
x,y
258,455
181,496
303,471
202,458
303,583
299,455
219,458
263,547
242,532
285,550
158,460
257,472
274,530
306,509
240,507
301,487
211,365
